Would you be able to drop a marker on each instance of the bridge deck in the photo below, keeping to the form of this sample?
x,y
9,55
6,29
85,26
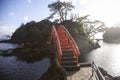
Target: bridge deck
x,y
85,73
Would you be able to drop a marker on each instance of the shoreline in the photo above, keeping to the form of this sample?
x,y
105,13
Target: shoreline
x,y
6,41
108,76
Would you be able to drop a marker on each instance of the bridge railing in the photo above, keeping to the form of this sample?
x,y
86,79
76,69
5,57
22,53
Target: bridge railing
x,y
54,37
74,45
95,70
98,73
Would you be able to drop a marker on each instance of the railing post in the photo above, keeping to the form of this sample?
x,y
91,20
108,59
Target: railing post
x,y
99,74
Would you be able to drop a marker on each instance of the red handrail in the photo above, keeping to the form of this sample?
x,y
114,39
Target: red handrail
x,y
55,38
74,45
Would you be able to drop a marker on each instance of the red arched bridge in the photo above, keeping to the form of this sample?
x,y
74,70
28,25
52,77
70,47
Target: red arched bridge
x,y
66,48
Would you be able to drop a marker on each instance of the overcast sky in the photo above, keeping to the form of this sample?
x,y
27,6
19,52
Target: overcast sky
x,y
15,12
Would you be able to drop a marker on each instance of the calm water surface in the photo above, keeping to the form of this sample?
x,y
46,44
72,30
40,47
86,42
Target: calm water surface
x,y
107,57
6,46
11,69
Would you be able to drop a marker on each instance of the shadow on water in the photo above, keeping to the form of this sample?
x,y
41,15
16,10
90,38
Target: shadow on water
x,y
27,54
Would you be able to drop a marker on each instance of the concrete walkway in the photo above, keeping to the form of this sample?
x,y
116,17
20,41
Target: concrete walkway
x,y
85,73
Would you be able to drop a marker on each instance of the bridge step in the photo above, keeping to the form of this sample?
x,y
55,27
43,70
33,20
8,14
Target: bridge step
x,y
67,55
71,68
68,58
69,63
64,41
67,51
63,38
66,46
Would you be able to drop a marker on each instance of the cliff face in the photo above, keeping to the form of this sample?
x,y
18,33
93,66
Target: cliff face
x,y
112,35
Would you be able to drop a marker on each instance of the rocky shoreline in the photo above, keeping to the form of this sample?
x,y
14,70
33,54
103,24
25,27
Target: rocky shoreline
x,y
5,41
108,76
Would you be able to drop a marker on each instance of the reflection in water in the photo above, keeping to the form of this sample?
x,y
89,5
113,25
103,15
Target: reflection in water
x,y
10,69
6,46
107,57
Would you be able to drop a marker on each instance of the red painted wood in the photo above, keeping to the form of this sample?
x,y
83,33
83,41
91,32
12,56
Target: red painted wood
x,y
64,41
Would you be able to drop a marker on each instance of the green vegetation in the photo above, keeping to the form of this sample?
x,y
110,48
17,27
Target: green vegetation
x,y
112,35
32,32
89,27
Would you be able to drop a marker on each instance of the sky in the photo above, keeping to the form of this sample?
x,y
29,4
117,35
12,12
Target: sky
x,y
15,12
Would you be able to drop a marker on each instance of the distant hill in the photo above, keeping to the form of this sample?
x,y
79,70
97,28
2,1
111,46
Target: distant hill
x,y
4,37
112,35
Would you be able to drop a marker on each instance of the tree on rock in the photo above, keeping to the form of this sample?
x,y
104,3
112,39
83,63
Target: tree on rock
x,y
61,9
90,27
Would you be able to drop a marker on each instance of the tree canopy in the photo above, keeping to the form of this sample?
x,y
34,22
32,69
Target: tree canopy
x,y
32,32
90,27
61,9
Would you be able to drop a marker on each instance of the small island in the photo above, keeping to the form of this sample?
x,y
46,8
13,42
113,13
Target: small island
x,y
112,35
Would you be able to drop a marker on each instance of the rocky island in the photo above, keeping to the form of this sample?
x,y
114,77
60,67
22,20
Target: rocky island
x,y
35,38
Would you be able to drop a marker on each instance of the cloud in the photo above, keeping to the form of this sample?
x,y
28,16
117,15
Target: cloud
x,y
84,2
65,0
104,10
29,1
7,29
11,13
25,18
